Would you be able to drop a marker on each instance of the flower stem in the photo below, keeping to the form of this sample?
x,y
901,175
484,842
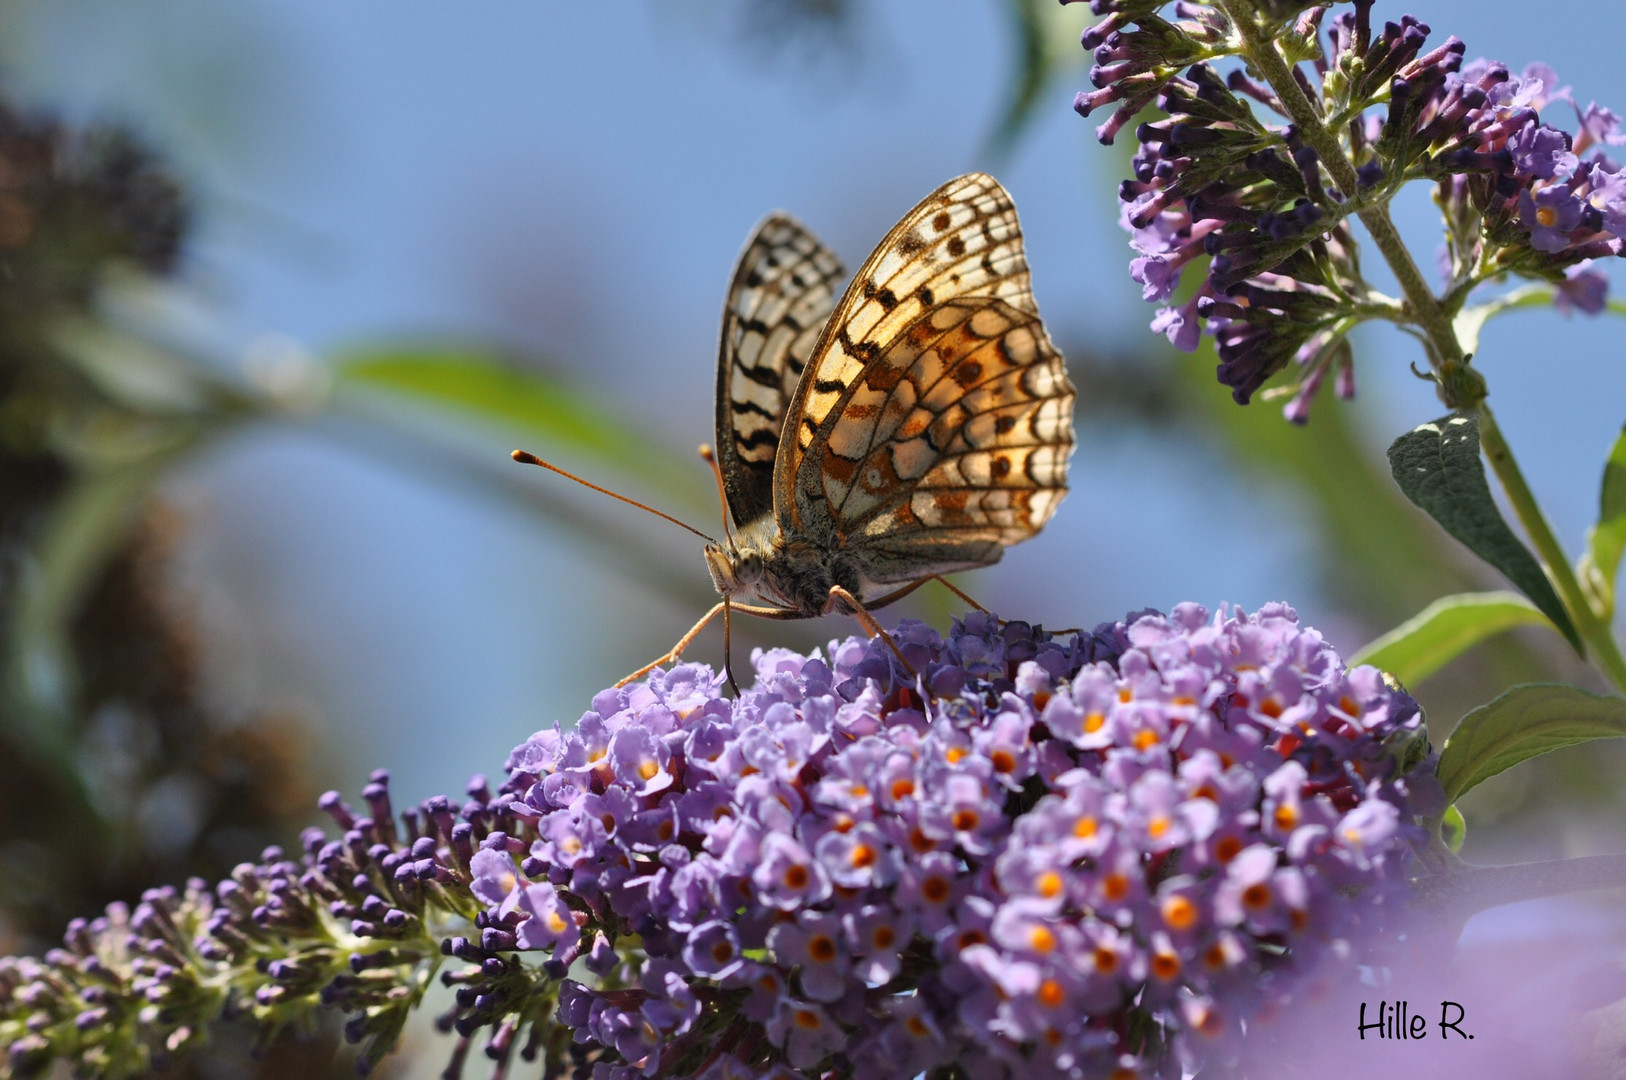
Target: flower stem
x,y
1425,310
1596,633
1461,387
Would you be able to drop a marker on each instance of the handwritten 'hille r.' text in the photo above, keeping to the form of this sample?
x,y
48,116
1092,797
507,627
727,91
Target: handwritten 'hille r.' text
x,y
1397,1021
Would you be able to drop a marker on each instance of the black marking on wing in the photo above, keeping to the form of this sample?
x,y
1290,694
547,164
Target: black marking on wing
x,y
784,285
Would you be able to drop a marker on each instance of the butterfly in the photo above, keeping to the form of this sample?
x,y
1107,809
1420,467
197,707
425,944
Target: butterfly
x,y
874,439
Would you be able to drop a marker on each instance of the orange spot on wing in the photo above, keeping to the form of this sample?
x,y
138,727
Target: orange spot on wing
x,y
882,377
837,467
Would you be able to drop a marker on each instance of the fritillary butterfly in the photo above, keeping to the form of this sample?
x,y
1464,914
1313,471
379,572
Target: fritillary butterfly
x,y
916,426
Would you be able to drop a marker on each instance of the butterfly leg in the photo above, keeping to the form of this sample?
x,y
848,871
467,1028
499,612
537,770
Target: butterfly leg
x,y
949,585
957,591
683,643
867,621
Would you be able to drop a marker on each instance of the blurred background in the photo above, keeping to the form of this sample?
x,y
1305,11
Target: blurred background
x,y
285,282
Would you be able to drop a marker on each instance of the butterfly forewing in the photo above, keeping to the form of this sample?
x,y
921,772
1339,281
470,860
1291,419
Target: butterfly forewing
x,y
934,424
784,288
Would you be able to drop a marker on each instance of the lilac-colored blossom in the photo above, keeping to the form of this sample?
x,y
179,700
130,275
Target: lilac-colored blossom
x,y
1063,833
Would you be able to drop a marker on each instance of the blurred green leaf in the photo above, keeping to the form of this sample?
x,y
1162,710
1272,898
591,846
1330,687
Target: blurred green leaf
x,y
1043,46
83,530
1526,721
1600,565
134,372
1438,467
533,405
1471,320
1444,630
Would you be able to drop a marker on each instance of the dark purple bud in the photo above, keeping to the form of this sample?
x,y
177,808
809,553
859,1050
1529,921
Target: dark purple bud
x,y
90,1018
1093,36
378,805
463,843
1240,83
497,1049
78,938
333,805
1193,136
1104,75
495,940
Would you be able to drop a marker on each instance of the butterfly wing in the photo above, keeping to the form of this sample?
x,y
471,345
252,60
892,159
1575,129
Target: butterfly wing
x,y
933,426
784,288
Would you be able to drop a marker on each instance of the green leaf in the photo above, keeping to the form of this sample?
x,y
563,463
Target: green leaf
x,y
1526,721
1453,828
533,404
133,371
1443,631
1606,540
1437,467
1044,43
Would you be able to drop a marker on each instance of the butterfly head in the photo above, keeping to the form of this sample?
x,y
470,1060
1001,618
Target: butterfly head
x,y
732,571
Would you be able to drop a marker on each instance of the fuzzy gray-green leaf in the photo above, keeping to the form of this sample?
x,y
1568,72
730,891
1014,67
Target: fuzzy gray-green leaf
x,y
1437,466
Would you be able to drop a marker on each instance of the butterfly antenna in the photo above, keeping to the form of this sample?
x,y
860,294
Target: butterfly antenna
x,y
531,459
722,496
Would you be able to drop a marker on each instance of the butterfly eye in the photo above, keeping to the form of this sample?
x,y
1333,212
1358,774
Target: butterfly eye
x,y
749,568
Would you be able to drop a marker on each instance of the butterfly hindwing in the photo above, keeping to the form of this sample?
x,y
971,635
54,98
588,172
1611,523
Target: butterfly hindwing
x,y
935,422
784,287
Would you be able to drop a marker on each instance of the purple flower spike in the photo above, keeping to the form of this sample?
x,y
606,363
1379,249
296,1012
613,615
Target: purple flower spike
x,y
1071,838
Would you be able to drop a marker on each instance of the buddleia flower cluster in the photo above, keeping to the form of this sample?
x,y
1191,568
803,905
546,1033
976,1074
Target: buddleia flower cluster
x,y
1258,170
1019,855
356,925
1042,858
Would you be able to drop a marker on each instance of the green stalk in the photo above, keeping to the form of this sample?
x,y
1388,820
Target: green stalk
x,y
1600,642
1461,387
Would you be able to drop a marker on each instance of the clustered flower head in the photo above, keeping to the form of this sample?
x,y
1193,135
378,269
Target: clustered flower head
x,y
1213,179
1040,857
1020,855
